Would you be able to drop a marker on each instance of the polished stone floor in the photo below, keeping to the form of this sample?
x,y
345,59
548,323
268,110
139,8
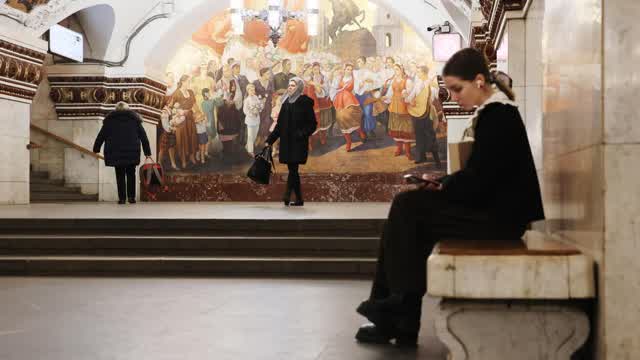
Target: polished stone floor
x,y
191,318
203,210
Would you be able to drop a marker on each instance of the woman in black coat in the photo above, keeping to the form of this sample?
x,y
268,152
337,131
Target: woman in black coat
x,y
122,133
495,196
296,122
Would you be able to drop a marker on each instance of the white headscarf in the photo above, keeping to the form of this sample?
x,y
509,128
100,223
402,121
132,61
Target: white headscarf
x,y
296,94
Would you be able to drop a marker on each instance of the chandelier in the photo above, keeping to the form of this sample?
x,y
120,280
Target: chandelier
x,y
275,15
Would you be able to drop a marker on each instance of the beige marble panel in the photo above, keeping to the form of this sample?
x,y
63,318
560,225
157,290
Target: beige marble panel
x,y
534,65
15,118
14,159
14,193
517,51
621,71
533,122
573,188
440,275
572,58
622,246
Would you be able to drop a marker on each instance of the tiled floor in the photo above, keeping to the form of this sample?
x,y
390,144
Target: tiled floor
x,y
162,319
205,210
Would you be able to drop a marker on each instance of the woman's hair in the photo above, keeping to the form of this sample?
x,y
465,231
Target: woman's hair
x,y
121,105
404,73
264,70
183,79
468,63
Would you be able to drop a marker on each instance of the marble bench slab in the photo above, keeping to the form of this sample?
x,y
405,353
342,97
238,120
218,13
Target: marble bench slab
x,y
536,268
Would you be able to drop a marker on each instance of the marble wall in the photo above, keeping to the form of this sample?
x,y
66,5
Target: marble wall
x,y
591,144
14,137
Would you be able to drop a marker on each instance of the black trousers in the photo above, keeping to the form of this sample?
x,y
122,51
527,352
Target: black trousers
x,y
293,182
425,137
418,219
128,188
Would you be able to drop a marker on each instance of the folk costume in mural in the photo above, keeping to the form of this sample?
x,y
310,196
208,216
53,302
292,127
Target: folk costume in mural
x,y
425,118
323,103
363,86
400,124
348,110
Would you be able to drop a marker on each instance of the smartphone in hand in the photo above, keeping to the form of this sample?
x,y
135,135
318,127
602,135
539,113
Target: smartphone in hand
x,y
412,179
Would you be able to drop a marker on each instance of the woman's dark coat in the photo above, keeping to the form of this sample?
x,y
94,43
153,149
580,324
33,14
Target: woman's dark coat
x,y
122,133
500,174
296,122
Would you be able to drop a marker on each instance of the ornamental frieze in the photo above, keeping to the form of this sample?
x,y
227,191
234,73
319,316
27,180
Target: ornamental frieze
x,y
20,71
91,97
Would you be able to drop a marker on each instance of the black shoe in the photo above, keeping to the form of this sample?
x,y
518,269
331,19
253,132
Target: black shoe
x,y
122,202
132,201
298,203
371,334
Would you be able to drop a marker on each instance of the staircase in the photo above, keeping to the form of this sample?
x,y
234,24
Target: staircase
x,y
45,190
185,247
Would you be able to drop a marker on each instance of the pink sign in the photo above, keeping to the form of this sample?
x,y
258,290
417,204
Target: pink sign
x,y
445,45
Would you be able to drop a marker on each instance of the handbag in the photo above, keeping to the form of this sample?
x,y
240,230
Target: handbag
x,y
152,178
262,167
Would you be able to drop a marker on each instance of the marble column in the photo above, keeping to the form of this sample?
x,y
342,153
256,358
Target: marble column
x,y
591,147
20,74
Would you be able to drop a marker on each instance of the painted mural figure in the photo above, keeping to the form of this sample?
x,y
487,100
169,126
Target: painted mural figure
x,y
424,115
252,108
364,85
281,79
229,114
186,140
348,110
400,125
264,90
323,103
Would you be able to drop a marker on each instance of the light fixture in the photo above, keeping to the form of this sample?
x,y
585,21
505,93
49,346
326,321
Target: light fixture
x,y
313,17
274,15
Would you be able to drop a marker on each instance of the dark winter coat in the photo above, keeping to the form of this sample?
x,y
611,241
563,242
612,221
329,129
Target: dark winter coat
x,y
296,122
500,174
122,133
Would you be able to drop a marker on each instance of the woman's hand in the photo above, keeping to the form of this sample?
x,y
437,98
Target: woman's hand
x,y
432,184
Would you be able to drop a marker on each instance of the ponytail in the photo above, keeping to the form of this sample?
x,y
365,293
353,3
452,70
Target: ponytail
x,y
500,80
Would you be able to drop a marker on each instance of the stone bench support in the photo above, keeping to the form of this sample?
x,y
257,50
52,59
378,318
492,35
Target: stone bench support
x,y
509,300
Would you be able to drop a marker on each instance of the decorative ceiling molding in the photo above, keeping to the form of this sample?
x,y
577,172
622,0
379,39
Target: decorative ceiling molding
x,y
25,5
92,97
20,71
484,36
41,16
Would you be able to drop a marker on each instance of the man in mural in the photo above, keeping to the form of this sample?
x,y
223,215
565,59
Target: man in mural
x,y
363,86
424,115
281,79
241,79
210,103
264,91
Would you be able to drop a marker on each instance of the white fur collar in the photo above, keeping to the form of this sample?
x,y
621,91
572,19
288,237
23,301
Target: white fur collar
x,y
497,97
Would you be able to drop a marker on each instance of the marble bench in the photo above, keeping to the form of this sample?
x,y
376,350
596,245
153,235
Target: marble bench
x,y
511,300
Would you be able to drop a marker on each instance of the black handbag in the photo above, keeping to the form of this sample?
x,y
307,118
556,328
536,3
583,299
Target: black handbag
x,y
262,167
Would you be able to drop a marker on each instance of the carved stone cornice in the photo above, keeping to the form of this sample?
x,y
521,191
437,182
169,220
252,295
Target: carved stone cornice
x,y
41,16
484,36
92,97
20,71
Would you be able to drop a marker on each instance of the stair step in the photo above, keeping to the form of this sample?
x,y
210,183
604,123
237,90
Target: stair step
x,y
45,181
155,265
53,188
39,174
51,196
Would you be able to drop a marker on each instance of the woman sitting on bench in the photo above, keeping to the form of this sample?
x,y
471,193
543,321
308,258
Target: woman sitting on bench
x,y
495,196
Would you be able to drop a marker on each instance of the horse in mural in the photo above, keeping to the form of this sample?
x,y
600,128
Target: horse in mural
x,y
345,13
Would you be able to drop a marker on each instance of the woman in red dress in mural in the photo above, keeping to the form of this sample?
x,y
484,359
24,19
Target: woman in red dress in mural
x,y
348,110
